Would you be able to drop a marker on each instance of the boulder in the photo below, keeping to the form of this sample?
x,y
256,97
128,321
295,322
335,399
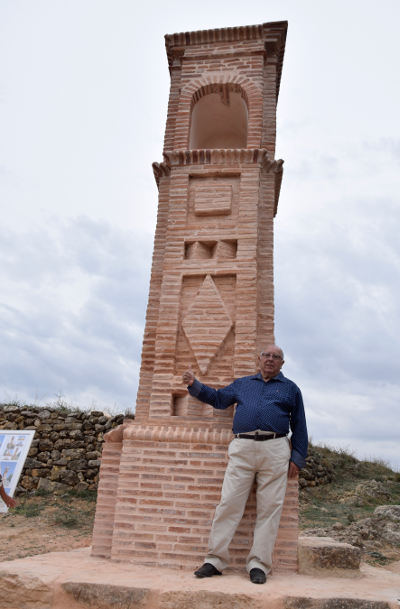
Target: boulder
x,y
328,557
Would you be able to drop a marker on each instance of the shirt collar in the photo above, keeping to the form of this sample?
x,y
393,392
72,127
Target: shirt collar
x,y
278,377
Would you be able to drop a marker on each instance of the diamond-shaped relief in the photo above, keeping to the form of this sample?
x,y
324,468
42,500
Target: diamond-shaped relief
x,y
206,323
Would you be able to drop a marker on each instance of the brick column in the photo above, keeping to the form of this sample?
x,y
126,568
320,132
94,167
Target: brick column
x,y
211,302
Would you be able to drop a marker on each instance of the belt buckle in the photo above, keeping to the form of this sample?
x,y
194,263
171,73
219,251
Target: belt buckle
x,y
258,437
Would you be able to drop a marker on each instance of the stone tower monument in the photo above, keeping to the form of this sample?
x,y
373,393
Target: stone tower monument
x,y
210,302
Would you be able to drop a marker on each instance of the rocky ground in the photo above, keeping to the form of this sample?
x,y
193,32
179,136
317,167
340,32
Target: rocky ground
x,y
357,502
378,535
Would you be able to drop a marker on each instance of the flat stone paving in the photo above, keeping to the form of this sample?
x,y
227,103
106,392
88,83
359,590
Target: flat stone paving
x,y
76,580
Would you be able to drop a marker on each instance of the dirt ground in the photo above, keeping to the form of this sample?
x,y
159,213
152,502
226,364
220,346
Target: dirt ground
x,y
46,524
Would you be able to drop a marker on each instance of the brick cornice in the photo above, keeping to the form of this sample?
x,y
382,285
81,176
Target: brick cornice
x,y
223,156
173,433
272,34
229,34
160,170
275,39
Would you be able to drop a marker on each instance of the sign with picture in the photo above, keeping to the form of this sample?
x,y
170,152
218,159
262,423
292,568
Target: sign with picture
x,y
14,448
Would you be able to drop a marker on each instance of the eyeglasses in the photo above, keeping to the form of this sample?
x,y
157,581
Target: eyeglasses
x,y
273,355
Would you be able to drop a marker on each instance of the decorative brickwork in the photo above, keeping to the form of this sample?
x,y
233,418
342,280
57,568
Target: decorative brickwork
x,y
210,302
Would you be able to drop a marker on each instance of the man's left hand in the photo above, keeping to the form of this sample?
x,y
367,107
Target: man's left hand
x,y
293,470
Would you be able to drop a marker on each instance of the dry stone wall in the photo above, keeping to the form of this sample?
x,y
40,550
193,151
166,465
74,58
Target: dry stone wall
x,y
66,448
317,470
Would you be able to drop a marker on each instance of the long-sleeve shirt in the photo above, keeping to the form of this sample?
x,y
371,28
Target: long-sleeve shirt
x,y
275,405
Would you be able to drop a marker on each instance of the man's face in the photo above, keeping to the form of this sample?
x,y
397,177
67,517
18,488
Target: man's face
x,y
270,361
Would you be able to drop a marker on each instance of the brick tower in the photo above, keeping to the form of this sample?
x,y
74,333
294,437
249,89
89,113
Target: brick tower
x,y
210,302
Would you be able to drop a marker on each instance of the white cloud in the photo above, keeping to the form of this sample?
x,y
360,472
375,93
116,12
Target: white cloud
x,y
73,304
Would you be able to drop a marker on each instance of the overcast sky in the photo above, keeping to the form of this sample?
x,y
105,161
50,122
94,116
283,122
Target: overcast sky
x,y
84,86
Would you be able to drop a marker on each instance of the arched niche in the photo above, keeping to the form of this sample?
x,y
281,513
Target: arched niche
x,y
219,117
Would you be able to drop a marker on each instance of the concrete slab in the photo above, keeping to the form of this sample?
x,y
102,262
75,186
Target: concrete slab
x,y
76,580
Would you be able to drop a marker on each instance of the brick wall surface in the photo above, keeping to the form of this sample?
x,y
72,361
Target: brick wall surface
x,y
166,503
210,305
107,492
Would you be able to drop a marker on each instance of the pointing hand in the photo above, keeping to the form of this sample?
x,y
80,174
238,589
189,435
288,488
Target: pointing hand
x,y
188,377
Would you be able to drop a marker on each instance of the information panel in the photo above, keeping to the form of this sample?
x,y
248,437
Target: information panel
x,y
14,448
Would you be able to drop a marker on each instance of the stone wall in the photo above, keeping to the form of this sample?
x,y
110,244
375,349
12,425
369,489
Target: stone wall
x,y
317,470
66,448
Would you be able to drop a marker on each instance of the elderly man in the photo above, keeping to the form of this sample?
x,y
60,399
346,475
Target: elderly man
x,y
267,405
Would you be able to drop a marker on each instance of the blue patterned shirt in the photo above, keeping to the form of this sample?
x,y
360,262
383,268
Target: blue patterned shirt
x,y
276,405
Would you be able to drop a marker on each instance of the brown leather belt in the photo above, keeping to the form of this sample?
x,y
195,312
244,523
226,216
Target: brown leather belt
x,y
260,437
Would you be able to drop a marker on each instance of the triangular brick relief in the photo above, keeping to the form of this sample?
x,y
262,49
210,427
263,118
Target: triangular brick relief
x,y
206,323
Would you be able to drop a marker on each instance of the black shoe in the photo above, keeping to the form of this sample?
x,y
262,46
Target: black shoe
x,y
207,570
257,576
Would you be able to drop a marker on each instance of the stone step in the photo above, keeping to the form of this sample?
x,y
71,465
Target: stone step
x,y
328,557
102,596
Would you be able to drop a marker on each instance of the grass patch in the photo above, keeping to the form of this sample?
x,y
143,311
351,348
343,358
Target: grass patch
x,y
86,494
377,558
41,492
346,466
68,518
71,517
28,509
71,510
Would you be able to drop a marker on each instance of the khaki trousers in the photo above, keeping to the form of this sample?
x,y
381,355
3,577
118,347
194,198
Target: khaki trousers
x,y
268,463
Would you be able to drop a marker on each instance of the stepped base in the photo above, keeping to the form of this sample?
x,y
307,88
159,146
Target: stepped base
x,y
76,580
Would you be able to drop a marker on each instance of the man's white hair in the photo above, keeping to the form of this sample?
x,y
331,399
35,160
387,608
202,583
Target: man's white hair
x,y
273,345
